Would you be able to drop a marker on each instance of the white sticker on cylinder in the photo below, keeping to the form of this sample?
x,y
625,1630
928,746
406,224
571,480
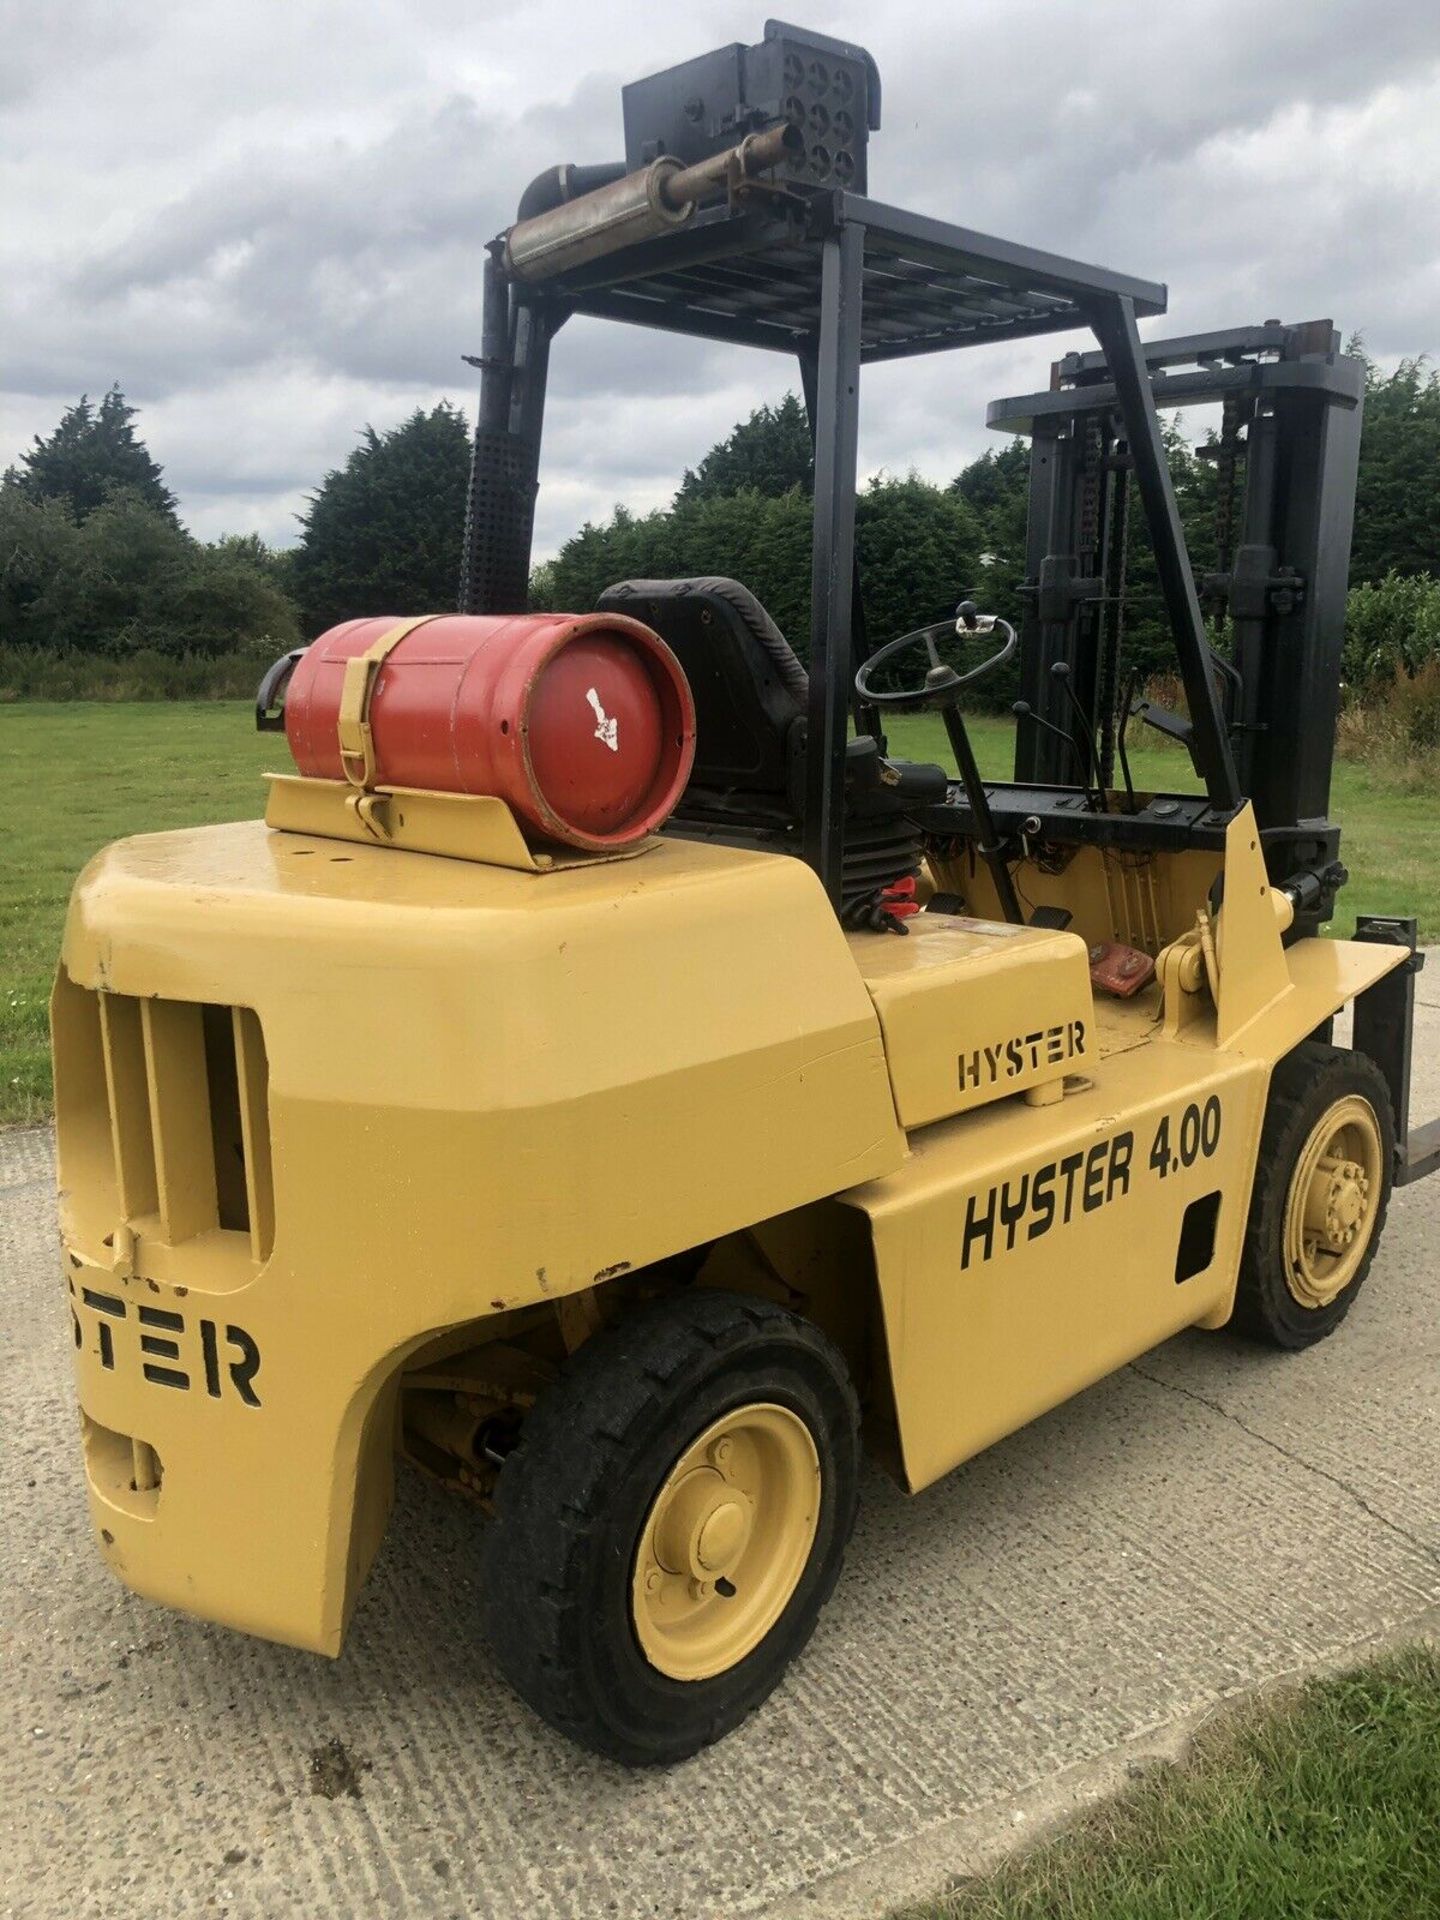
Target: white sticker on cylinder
x,y
606,728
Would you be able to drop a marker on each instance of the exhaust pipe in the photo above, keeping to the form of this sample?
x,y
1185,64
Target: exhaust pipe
x,y
559,184
651,201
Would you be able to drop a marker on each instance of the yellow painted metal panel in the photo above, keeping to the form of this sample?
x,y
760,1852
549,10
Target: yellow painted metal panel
x,y
1024,1252
461,826
1111,893
998,1304
84,1141
1253,973
254,1082
127,1080
179,1117
975,1010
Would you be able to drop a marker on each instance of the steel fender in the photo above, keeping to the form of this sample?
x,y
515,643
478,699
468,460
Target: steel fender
x,y
1324,976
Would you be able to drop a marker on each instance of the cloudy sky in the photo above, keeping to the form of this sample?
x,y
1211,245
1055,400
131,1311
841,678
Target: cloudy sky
x,y
266,219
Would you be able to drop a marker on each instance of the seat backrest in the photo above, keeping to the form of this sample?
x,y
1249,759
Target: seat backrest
x,y
749,687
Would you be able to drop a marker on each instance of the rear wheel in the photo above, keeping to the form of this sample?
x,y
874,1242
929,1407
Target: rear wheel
x,y
1322,1185
671,1522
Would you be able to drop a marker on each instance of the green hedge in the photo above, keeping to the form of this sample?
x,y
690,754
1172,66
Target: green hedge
x,y
1392,628
127,581
33,673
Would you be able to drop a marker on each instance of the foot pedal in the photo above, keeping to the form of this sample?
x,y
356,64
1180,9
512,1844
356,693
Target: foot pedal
x,y
1122,971
1052,919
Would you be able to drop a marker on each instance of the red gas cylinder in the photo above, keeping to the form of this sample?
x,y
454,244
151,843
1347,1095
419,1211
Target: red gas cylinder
x,y
582,723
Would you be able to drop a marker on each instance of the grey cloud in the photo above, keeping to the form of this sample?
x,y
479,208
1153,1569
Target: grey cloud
x,y
41,40
268,223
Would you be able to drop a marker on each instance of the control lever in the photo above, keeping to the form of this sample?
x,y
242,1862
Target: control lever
x,y
1127,707
1023,710
1084,743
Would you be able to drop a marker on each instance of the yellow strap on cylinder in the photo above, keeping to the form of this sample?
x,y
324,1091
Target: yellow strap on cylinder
x,y
357,744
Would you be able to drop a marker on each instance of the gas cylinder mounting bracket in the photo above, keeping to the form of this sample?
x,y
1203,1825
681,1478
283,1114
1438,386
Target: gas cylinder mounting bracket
x,y
372,810
352,726
457,826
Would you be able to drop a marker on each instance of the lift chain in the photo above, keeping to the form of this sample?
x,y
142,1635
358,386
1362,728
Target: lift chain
x,y
1091,473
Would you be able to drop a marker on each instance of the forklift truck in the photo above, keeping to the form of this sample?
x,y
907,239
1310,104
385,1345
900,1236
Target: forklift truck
x,y
628,1197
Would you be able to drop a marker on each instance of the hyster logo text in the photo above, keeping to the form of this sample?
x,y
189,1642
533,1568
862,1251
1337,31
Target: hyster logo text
x,y
1081,1182
228,1357
1026,1053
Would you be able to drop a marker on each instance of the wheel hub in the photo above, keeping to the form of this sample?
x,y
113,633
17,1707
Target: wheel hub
x,y
703,1525
1330,1210
726,1541
1336,1203
722,1536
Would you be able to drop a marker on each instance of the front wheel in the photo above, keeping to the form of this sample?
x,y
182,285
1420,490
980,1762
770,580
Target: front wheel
x,y
1322,1185
671,1522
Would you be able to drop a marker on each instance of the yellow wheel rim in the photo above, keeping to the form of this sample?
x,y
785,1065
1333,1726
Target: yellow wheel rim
x,y
1331,1206
726,1541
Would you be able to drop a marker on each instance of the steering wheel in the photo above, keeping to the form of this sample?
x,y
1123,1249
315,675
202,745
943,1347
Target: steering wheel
x,y
942,683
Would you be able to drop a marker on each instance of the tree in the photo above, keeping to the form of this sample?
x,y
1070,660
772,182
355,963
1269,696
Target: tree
x,y
997,486
769,453
762,540
996,489
919,549
92,453
1397,526
128,579
37,540
383,533
918,546
228,597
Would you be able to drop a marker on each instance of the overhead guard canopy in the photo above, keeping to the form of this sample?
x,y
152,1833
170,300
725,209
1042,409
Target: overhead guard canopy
x,y
821,272
927,285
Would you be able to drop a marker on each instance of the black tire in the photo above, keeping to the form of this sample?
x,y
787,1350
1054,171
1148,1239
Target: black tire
x,y
1305,1085
572,1501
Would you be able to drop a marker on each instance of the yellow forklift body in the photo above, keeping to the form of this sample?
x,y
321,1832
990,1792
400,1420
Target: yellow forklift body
x,y
479,1088
324,1107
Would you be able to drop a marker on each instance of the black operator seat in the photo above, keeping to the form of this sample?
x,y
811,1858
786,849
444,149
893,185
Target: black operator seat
x,y
749,687
750,699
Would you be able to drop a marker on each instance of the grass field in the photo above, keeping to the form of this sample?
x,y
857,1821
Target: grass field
x,y
1324,1806
80,775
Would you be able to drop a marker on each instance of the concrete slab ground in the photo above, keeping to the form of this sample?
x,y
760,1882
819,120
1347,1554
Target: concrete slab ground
x,y
1202,1522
